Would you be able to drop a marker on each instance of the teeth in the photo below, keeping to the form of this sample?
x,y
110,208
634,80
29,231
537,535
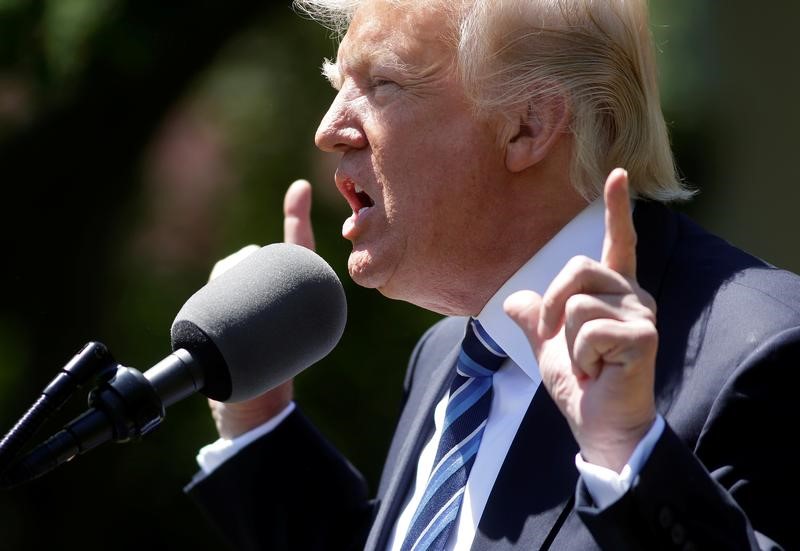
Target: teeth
x,y
358,188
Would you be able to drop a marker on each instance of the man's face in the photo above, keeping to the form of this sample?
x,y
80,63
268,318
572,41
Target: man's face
x,y
419,170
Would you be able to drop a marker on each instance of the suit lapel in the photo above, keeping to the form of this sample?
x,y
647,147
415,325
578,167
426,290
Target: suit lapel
x,y
413,431
534,489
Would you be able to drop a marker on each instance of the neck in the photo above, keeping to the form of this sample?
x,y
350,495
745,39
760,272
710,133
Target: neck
x,y
538,205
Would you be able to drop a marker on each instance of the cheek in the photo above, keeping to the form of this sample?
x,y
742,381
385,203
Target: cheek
x,y
436,189
426,164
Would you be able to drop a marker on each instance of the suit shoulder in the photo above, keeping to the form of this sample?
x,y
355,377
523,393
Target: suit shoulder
x,y
447,329
735,276
438,341
716,302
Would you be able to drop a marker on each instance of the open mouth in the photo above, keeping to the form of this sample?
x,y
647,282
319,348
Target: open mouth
x,y
357,198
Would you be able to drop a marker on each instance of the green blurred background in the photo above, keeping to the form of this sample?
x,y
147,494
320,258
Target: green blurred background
x,y
141,140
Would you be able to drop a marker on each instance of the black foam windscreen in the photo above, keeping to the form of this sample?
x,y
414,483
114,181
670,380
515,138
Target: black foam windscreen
x,y
216,377
267,318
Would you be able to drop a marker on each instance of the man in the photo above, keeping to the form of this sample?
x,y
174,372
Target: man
x,y
474,138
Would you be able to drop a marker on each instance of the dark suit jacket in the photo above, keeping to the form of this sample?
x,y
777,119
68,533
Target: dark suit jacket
x,y
720,477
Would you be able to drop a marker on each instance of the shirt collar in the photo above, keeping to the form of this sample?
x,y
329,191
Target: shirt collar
x,y
583,235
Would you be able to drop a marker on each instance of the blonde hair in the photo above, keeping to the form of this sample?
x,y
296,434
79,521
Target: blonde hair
x,y
596,55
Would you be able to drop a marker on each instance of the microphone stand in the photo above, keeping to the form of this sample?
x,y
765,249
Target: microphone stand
x,y
124,406
93,361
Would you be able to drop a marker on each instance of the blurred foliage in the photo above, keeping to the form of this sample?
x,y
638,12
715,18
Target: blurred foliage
x,y
66,29
140,141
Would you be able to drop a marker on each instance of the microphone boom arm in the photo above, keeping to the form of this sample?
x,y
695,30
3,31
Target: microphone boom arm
x,y
124,408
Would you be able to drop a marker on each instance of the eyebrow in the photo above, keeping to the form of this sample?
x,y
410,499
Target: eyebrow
x,y
382,57
330,70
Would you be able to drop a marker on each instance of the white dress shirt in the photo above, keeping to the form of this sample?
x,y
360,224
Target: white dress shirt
x,y
513,386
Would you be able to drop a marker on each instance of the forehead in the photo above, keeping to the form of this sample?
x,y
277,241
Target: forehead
x,y
406,33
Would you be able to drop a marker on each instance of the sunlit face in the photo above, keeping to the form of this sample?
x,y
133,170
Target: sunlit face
x,y
421,173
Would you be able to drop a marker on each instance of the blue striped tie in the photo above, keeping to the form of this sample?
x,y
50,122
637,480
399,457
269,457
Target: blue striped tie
x,y
464,421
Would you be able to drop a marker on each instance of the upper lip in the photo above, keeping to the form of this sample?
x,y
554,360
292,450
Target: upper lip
x,y
356,199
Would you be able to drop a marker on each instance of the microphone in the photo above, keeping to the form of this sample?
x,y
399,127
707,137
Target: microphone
x,y
253,327
263,321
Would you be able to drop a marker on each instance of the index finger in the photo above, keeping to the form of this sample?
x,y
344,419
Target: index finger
x,y
619,244
297,215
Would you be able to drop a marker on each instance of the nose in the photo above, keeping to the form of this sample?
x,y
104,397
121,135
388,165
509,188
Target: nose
x,y
340,129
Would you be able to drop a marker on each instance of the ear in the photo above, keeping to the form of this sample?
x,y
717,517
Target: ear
x,y
534,133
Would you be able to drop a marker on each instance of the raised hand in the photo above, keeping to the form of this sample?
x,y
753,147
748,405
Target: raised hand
x,y
233,419
594,336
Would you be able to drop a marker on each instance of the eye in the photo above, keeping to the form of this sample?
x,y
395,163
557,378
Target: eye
x,y
380,82
382,89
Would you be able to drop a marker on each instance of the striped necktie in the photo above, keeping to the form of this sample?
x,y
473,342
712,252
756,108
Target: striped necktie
x,y
464,421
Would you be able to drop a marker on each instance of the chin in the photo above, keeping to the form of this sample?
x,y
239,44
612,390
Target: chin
x,y
383,274
363,272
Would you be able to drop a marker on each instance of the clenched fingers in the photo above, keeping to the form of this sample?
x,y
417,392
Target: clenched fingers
x,y
581,275
603,343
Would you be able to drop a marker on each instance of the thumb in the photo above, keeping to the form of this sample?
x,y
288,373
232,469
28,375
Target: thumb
x,y
232,260
523,307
